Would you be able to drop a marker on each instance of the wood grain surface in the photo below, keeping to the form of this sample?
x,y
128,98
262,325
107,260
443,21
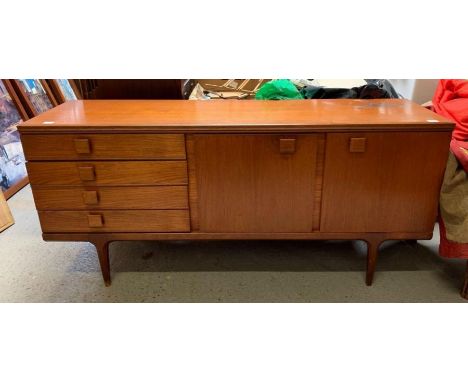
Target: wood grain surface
x,y
116,221
104,146
245,183
192,175
109,173
391,187
83,198
247,114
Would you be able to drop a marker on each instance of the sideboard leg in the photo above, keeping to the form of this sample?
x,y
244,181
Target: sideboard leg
x,y
464,291
102,248
372,254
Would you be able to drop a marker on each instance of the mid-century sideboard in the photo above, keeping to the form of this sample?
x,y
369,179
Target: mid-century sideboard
x,y
103,171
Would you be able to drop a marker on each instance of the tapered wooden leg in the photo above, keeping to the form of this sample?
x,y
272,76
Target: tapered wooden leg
x,y
102,248
464,291
372,254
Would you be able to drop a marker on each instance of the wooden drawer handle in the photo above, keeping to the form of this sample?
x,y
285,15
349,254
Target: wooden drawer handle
x,y
82,145
90,197
95,221
86,173
287,145
357,145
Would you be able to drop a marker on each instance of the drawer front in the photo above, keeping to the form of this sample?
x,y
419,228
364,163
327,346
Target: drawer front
x,y
103,146
115,221
114,198
108,173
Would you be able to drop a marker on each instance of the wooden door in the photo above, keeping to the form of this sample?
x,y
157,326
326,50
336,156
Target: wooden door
x,y
383,182
255,183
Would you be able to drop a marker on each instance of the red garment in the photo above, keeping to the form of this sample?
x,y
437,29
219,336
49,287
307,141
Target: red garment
x,y
460,150
448,248
451,101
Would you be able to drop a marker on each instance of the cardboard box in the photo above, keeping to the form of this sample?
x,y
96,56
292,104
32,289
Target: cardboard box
x,y
237,88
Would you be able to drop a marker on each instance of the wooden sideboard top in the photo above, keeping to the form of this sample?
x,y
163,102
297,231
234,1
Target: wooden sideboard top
x,y
235,115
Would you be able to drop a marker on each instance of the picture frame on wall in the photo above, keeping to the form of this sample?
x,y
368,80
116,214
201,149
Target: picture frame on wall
x,y
49,93
62,90
34,95
13,174
67,90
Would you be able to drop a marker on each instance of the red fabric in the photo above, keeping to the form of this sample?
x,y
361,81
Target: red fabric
x,y
448,248
451,101
460,150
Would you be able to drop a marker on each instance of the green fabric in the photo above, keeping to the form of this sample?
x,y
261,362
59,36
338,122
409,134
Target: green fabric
x,y
454,201
278,89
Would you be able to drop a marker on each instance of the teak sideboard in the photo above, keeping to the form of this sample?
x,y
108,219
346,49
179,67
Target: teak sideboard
x,y
103,171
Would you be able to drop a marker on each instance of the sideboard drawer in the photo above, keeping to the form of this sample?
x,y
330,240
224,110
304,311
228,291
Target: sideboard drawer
x,y
108,173
114,198
103,146
115,221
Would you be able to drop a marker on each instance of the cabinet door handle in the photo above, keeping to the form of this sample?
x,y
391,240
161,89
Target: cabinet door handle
x,y
86,173
82,145
90,197
287,145
95,221
357,145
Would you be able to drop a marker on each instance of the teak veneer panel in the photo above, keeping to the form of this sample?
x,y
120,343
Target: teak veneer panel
x,y
83,198
245,184
192,175
108,173
248,115
104,146
116,221
392,186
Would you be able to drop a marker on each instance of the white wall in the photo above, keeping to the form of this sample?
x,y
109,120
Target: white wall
x,y
419,91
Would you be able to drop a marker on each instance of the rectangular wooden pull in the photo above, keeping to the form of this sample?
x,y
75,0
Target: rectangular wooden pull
x,y
86,173
95,221
90,197
287,145
82,145
357,145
